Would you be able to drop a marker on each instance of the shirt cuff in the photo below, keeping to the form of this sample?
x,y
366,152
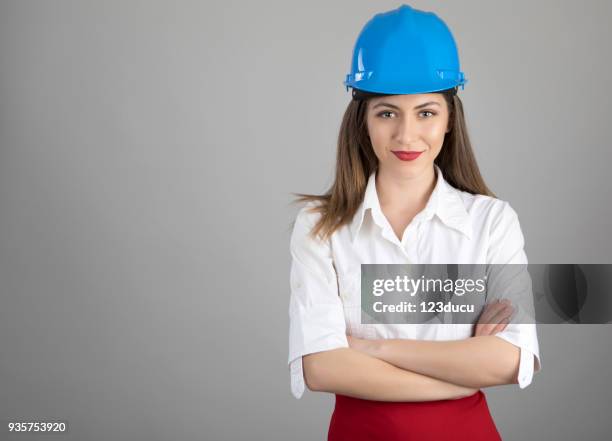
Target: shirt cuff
x,y
298,384
297,378
529,362
525,373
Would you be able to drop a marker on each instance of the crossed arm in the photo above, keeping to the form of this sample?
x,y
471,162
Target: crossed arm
x,y
475,362
418,370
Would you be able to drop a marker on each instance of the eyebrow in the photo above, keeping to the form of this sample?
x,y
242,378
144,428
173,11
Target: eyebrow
x,y
420,106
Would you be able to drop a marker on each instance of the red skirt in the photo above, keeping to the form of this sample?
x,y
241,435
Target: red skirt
x,y
464,419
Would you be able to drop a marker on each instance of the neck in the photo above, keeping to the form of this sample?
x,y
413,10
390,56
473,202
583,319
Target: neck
x,y
403,194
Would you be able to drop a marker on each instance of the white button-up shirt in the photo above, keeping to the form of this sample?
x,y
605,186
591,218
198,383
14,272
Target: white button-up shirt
x,y
455,227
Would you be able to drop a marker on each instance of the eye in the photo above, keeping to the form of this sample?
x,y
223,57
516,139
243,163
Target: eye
x,y
385,112
427,111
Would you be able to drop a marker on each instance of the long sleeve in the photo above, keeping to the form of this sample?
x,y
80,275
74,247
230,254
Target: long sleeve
x,y
507,247
316,315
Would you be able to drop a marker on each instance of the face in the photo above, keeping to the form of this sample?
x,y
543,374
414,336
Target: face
x,y
399,124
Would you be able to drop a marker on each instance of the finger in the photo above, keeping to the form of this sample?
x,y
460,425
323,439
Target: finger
x,y
493,321
502,317
490,311
505,312
491,329
500,327
481,330
486,329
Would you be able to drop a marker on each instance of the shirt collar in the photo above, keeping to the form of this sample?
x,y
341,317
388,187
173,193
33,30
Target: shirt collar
x,y
445,202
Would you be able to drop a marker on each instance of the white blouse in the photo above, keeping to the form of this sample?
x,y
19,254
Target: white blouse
x,y
455,227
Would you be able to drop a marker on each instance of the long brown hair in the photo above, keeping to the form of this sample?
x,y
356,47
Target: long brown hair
x,y
355,162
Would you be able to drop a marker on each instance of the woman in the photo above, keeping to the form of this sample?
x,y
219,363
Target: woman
x,y
407,190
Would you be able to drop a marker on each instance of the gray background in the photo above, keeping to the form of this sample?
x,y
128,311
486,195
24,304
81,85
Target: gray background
x,y
148,152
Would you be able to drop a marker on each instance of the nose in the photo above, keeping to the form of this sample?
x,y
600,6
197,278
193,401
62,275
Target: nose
x,y
406,132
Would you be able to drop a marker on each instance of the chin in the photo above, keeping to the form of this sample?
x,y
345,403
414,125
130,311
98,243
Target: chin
x,y
417,166
411,169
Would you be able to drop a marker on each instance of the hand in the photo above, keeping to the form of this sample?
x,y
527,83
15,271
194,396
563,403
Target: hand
x,y
494,318
369,347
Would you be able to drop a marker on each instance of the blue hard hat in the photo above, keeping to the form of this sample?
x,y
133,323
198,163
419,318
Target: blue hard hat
x,y
405,51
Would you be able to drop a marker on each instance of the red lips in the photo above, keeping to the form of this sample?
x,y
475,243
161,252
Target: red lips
x,y
407,156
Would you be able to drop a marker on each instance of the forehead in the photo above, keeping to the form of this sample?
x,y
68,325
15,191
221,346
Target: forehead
x,y
407,101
